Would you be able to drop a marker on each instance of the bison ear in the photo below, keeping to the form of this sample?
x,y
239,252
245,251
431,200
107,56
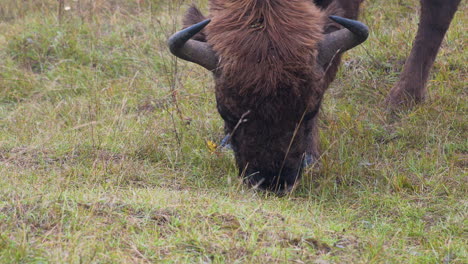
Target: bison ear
x,y
194,16
341,40
201,53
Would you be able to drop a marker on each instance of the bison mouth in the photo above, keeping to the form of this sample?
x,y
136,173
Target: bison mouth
x,y
280,182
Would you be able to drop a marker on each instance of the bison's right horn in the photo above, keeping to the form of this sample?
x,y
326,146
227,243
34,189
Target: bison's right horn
x,y
341,40
198,52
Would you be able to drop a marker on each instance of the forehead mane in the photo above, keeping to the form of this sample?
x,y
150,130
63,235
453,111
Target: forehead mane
x,y
264,44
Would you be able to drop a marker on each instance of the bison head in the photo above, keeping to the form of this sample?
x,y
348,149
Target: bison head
x,y
269,59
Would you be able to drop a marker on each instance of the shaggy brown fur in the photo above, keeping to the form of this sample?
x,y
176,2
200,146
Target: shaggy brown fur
x,y
344,8
273,39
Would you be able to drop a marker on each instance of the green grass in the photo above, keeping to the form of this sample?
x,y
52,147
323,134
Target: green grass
x,y
103,155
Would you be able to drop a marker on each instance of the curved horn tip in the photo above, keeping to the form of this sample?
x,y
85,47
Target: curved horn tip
x,y
179,38
200,25
354,26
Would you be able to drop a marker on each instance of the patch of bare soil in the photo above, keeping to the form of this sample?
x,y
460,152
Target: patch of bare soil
x,y
26,157
347,242
303,243
32,158
41,219
151,105
224,221
160,216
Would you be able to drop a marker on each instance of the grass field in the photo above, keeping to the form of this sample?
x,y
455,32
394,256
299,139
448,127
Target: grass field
x,y
104,157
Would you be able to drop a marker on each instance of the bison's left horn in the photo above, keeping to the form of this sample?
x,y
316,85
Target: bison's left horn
x,y
198,52
342,40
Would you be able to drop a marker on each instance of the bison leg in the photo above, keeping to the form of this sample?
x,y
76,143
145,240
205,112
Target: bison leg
x,y
436,16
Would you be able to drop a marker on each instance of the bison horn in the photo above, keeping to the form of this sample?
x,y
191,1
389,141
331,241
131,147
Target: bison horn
x,y
198,52
341,40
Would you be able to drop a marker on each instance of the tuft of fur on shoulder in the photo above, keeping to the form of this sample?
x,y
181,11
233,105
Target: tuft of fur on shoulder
x,y
192,17
266,44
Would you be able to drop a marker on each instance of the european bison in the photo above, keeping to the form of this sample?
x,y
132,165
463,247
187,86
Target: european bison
x,y
272,61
